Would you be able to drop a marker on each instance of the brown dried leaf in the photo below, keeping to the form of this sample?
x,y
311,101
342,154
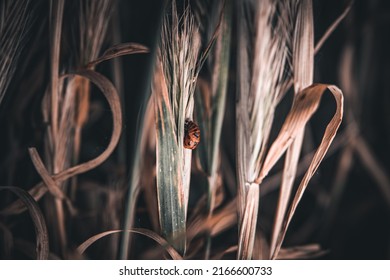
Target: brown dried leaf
x,y
289,174
42,245
264,46
301,252
51,184
303,47
28,249
248,223
172,252
229,250
303,68
56,16
332,27
111,95
119,50
54,189
305,104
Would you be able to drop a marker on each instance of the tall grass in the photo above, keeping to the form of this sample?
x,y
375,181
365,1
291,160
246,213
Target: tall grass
x,y
262,60
174,86
210,56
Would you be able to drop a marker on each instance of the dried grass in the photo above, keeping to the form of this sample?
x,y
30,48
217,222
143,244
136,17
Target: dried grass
x,y
262,63
14,24
254,162
275,50
42,243
173,87
152,235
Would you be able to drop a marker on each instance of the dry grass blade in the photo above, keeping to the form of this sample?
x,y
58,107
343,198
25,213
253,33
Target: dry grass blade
x,y
303,53
288,177
54,189
262,62
322,40
303,47
149,165
333,26
29,249
372,165
111,95
303,70
246,240
173,87
210,98
214,36
112,98
14,20
42,245
305,104
52,186
170,250
56,15
141,164
94,18
117,51
301,252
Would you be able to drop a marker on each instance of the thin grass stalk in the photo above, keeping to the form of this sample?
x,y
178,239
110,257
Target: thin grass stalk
x,y
261,75
94,17
135,172
305,105
14,24
42,243
56,15
211,96
118,78
303,71
66,117
69,104
135,186
220,87
291,162
53,135
174,86
217,98
113,220
110,94
70,101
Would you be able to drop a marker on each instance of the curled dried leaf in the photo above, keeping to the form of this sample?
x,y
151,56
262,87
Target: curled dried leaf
x,y
42,244
111,95
305,104
117,51
171,251
51,184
